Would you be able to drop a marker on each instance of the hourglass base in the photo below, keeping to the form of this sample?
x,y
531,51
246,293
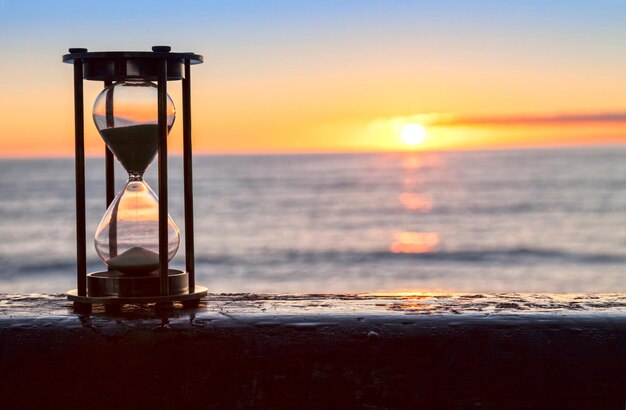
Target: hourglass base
x,y
187,299
111,287
113,283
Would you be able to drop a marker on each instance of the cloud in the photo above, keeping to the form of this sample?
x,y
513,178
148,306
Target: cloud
x,y
532,119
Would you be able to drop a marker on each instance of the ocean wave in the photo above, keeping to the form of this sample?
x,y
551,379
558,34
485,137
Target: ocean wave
x,y
269,259
15,269
505,256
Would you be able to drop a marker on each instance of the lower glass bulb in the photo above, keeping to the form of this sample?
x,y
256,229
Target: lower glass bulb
x,y
127,239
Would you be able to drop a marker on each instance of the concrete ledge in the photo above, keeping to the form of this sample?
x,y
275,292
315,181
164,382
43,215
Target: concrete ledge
x,y
510,351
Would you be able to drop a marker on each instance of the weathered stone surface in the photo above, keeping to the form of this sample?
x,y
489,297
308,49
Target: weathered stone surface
x,y
319,351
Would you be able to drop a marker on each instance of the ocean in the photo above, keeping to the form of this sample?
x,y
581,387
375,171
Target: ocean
x,y
549,220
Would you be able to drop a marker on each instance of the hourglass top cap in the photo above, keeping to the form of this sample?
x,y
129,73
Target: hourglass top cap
x,y
128,65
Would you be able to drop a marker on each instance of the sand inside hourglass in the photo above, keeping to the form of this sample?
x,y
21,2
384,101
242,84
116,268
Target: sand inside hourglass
x,y
136,261
134,146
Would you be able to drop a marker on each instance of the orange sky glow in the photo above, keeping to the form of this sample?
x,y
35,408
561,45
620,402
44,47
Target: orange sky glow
x,y
315,78
322,123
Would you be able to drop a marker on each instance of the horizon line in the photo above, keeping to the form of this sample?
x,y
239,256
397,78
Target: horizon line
x,y
530,147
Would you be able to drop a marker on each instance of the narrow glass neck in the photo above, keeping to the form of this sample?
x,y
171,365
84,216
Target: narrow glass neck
x,y
135,176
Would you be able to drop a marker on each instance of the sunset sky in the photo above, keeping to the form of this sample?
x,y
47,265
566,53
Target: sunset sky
x,y
334,76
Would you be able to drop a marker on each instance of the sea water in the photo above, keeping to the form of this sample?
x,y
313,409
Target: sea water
x,y
551,220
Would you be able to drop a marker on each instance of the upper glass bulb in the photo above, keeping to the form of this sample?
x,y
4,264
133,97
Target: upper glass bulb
x,y
126,116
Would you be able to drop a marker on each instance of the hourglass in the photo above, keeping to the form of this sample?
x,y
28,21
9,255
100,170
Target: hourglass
x,y
127,239
136,237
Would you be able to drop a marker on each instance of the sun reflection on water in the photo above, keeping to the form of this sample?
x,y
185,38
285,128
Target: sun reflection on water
x,y
414,242
416,202
413,198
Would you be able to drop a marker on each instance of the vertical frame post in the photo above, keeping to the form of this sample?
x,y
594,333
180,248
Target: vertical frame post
x,y
79,153
109,173
109,163
188,178
162,150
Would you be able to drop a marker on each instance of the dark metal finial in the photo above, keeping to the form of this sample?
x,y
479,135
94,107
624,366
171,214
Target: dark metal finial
x,y
161,49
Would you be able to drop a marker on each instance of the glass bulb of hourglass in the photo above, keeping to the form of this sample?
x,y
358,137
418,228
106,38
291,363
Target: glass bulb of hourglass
x,y
127,239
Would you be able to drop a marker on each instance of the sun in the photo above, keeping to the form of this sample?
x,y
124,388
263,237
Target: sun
x,y
413,134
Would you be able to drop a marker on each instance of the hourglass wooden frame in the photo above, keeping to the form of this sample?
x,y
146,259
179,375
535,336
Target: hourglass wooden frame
x,y
160,65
